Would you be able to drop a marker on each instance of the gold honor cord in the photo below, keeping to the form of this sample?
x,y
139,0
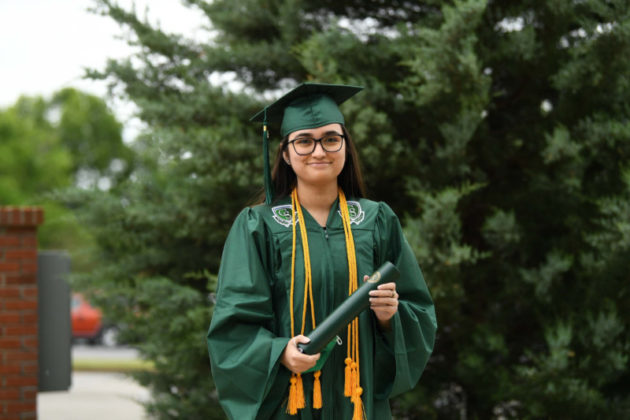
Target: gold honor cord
x,y
352,387
296,390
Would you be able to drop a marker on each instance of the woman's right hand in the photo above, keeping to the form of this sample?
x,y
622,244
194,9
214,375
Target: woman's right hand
x,y
296,361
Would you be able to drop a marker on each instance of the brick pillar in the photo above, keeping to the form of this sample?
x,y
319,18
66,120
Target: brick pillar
x,y
18,311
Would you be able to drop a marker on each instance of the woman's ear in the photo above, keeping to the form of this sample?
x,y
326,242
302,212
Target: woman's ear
x,y
285,156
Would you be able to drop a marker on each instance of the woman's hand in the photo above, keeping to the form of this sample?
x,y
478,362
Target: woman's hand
x,y
384,303
296,361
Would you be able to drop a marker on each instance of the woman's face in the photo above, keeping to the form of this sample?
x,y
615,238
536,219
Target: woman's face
x,y
320,167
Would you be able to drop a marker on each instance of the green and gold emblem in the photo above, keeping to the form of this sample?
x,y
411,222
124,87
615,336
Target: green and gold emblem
x,y
356,212
282,214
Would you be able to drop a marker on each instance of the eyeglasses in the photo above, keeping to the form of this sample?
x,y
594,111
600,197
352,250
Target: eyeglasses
x,y
331,142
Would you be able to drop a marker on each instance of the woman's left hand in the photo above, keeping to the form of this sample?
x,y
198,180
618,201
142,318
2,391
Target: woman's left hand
x,y
384,303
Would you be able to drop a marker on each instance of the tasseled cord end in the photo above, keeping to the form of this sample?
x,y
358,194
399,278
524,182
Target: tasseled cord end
x,y
296,395
353,389
347,389
358,404
317,390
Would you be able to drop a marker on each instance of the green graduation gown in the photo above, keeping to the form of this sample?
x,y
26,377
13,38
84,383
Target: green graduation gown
x,y
251,323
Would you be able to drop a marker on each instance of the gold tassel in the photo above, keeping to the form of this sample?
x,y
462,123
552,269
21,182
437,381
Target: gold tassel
x,y
292,404
358,404
347,389
354,381
299,387
317,390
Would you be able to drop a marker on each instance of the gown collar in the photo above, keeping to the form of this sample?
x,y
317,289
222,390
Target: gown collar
x,y
334,216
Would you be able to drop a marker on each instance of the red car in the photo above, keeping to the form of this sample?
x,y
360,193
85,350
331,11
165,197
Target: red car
x,y
88,324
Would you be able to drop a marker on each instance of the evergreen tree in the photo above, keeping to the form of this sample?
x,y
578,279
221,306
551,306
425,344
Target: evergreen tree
x,y
499,131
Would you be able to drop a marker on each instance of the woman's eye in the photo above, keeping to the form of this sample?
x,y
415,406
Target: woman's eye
x,y
304,142
332,140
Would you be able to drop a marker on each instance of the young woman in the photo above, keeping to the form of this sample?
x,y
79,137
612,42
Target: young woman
x,y
290,262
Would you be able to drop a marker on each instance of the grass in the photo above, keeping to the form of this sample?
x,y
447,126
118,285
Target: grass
x,y
110,365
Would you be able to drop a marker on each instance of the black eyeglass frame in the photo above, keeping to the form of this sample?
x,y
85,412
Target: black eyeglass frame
x,y
319,140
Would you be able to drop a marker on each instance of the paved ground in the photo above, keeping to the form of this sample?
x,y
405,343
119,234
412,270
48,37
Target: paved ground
x,y
95,395
82,351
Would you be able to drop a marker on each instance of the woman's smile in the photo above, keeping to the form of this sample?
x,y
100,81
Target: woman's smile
x,y
319,164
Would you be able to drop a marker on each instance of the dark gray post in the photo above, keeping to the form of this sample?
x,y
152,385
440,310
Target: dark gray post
x,y
55,335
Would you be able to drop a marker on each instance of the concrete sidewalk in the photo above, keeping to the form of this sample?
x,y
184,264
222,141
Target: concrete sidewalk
x,y
95,396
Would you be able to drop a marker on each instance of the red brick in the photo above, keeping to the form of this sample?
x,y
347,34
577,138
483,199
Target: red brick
x,y
20,407
29,215
9,394
29,292
30,368
10,292
9,240
20,305
29,241
10,343
21,254
21,380
29,317
29,268
16,217
5,370
12,356
6,318
23,330
21,279
30,343
20,229
6,215
29,393
38,216
21,216
9,267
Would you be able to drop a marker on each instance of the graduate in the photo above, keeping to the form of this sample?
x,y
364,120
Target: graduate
x,y
289,262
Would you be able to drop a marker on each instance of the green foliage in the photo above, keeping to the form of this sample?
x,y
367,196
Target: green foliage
x,y
32,159
498,131
48,144
92,135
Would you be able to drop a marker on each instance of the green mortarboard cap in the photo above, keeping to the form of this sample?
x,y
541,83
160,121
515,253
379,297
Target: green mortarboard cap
x,y
310,105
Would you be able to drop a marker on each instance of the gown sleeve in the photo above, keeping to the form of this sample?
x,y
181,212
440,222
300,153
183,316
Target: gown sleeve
x,y
410,340
244,353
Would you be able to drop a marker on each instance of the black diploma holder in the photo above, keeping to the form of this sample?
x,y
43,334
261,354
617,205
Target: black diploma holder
x,y
325,333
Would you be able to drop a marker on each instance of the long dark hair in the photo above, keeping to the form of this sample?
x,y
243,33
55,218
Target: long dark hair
x,y
350,179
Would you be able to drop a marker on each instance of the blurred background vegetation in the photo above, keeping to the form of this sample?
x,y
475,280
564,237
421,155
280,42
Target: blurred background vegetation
x,y
498,131
46,144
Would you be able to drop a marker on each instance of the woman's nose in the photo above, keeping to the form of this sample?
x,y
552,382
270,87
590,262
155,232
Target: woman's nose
x,y
319,149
